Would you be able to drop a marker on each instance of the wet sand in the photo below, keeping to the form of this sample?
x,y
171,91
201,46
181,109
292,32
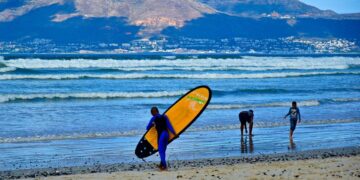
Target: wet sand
x,y
314,164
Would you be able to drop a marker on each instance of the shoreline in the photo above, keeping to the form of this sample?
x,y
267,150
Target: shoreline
x,y
180,165
328,168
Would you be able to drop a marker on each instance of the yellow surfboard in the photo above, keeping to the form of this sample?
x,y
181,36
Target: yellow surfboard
x,y
181,115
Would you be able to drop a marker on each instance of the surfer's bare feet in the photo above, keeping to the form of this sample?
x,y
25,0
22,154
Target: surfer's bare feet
x,y
162,168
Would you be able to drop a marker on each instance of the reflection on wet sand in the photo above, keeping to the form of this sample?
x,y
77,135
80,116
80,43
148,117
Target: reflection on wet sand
x,y
292,145
247,146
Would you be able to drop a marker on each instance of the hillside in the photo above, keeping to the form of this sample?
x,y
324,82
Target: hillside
x,y
260,8
152,15
153,25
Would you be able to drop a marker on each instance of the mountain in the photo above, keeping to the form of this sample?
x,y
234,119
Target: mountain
x,y
349,16
260,8
265,28
153,25
39,24
152,15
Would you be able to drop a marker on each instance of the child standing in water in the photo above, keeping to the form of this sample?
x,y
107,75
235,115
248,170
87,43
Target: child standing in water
x,y
294,113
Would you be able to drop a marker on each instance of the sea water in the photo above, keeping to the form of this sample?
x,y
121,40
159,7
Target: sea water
x,y
94,108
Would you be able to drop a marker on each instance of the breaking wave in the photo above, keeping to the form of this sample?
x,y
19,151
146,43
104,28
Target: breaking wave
x,y
69,136
257,91
274,104
266,124
246,63
226,68
7,69
345,99
171,76
30,97
282,104
257,124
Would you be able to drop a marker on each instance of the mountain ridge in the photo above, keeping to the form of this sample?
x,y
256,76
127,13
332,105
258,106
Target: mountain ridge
x,y
259,8
152,15
124,26
156,15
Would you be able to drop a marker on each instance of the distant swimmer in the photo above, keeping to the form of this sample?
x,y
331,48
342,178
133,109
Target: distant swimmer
x,y
162,125
295,118
246,116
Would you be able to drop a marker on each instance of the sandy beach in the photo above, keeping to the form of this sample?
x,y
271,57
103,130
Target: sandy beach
x,y
330,168
314,164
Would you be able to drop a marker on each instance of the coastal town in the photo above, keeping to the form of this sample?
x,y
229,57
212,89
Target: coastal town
x,y
236,45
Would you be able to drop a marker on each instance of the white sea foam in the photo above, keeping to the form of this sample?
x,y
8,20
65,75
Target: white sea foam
x,y
225,68
27,97
177,76
7,69
69,136
346,99
257,124
246,63
273,104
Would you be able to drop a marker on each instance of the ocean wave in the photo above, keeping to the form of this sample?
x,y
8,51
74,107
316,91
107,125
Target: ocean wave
x,y
226,68
30,97
273,104
257,91
171,76
267,124
7,69
345,99
219,92
247,63
282,104
354,66
218,127
69,136
2,65
340,89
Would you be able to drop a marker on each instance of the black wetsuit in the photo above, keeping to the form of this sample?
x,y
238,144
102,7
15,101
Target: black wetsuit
x,y
160,124
244,117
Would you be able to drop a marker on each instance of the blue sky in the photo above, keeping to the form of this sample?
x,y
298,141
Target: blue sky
x,y
339,6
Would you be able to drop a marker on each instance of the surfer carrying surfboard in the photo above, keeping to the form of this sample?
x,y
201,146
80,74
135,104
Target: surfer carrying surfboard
x,y
162,125
246,116
163,129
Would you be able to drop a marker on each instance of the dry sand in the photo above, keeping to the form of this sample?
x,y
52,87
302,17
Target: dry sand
x,y
329,168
